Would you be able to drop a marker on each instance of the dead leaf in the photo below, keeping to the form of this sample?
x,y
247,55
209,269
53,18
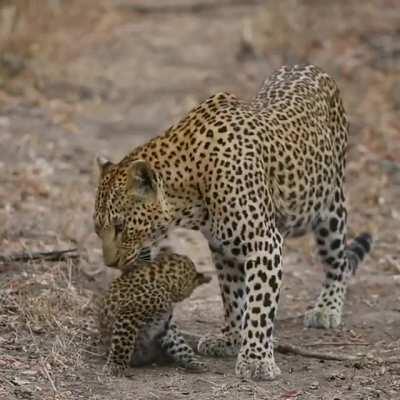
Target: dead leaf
x,y
19,382
393,263
291,395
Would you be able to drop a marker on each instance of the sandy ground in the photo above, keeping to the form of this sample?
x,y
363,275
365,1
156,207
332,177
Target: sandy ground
x,y
125,77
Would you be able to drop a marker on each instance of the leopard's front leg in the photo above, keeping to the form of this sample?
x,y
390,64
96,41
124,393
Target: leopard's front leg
x,y
241,228
232,286
250,284
263,275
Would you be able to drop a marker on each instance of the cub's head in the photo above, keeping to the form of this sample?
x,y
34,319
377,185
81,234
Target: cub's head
x,y
191,281
179,272
131,211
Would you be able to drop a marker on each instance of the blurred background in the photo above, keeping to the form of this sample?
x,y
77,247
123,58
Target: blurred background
x,y
79,78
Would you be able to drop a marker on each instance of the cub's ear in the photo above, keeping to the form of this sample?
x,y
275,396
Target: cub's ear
x,y
203,278
142,181
103,165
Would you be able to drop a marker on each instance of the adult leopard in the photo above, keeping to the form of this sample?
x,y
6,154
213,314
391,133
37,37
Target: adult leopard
x,y
247,175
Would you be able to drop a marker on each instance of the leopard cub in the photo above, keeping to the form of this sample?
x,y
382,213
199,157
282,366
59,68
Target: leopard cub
x,y
135,315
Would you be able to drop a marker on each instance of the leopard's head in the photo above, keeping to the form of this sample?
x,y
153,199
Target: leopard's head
x,y
131,211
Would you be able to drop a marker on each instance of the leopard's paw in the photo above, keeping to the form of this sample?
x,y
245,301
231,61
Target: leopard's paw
x,y
257,369
114,369
322,317
217,346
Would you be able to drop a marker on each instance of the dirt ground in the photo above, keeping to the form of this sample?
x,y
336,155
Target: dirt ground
x,y
110,75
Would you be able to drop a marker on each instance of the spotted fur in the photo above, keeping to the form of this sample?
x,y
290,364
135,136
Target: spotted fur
x,y
247,175
135,315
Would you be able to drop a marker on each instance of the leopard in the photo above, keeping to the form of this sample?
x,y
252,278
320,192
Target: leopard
x,y
135,316
247,174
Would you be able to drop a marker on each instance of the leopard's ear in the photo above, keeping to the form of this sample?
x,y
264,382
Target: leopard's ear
x,y
142,181
103,165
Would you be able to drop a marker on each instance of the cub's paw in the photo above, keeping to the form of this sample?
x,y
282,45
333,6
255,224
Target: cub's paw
x,y
322,317
256,369
195,365
217,346
114,369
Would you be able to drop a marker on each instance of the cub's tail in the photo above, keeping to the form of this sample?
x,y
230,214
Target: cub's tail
x,y
358,249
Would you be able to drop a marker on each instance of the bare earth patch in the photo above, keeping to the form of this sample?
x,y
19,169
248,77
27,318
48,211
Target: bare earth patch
x,y
105,79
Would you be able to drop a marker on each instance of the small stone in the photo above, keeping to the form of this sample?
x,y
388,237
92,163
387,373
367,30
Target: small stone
x,y
314,385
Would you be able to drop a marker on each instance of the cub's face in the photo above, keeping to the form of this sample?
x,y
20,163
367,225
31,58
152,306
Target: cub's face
x,y
197,280
130,211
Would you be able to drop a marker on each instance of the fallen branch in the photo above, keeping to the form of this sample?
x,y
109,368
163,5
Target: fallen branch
x,y
180,8
317,344
55,255
290,349
290,317
192,340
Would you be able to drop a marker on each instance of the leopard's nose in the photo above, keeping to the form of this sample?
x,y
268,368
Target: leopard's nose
x,y
110,258
110,263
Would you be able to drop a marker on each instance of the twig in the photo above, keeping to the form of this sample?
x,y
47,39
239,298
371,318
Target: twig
x,y
181,8
336,344
291,317
47,373
290,349
390,360
55,255
192,340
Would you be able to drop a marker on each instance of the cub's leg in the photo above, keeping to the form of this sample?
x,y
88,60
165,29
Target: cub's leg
x,y
340,263
124,332
174,345
232,286
129,321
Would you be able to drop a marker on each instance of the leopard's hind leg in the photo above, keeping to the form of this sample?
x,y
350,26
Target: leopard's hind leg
x,y
340,262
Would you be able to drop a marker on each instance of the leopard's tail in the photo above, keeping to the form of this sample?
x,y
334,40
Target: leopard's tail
x,y
358,249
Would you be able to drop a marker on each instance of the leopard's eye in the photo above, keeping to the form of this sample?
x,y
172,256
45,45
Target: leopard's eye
x,y
118,228
118,225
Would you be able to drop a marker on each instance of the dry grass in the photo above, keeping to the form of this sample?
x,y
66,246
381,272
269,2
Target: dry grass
x,y
45,314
